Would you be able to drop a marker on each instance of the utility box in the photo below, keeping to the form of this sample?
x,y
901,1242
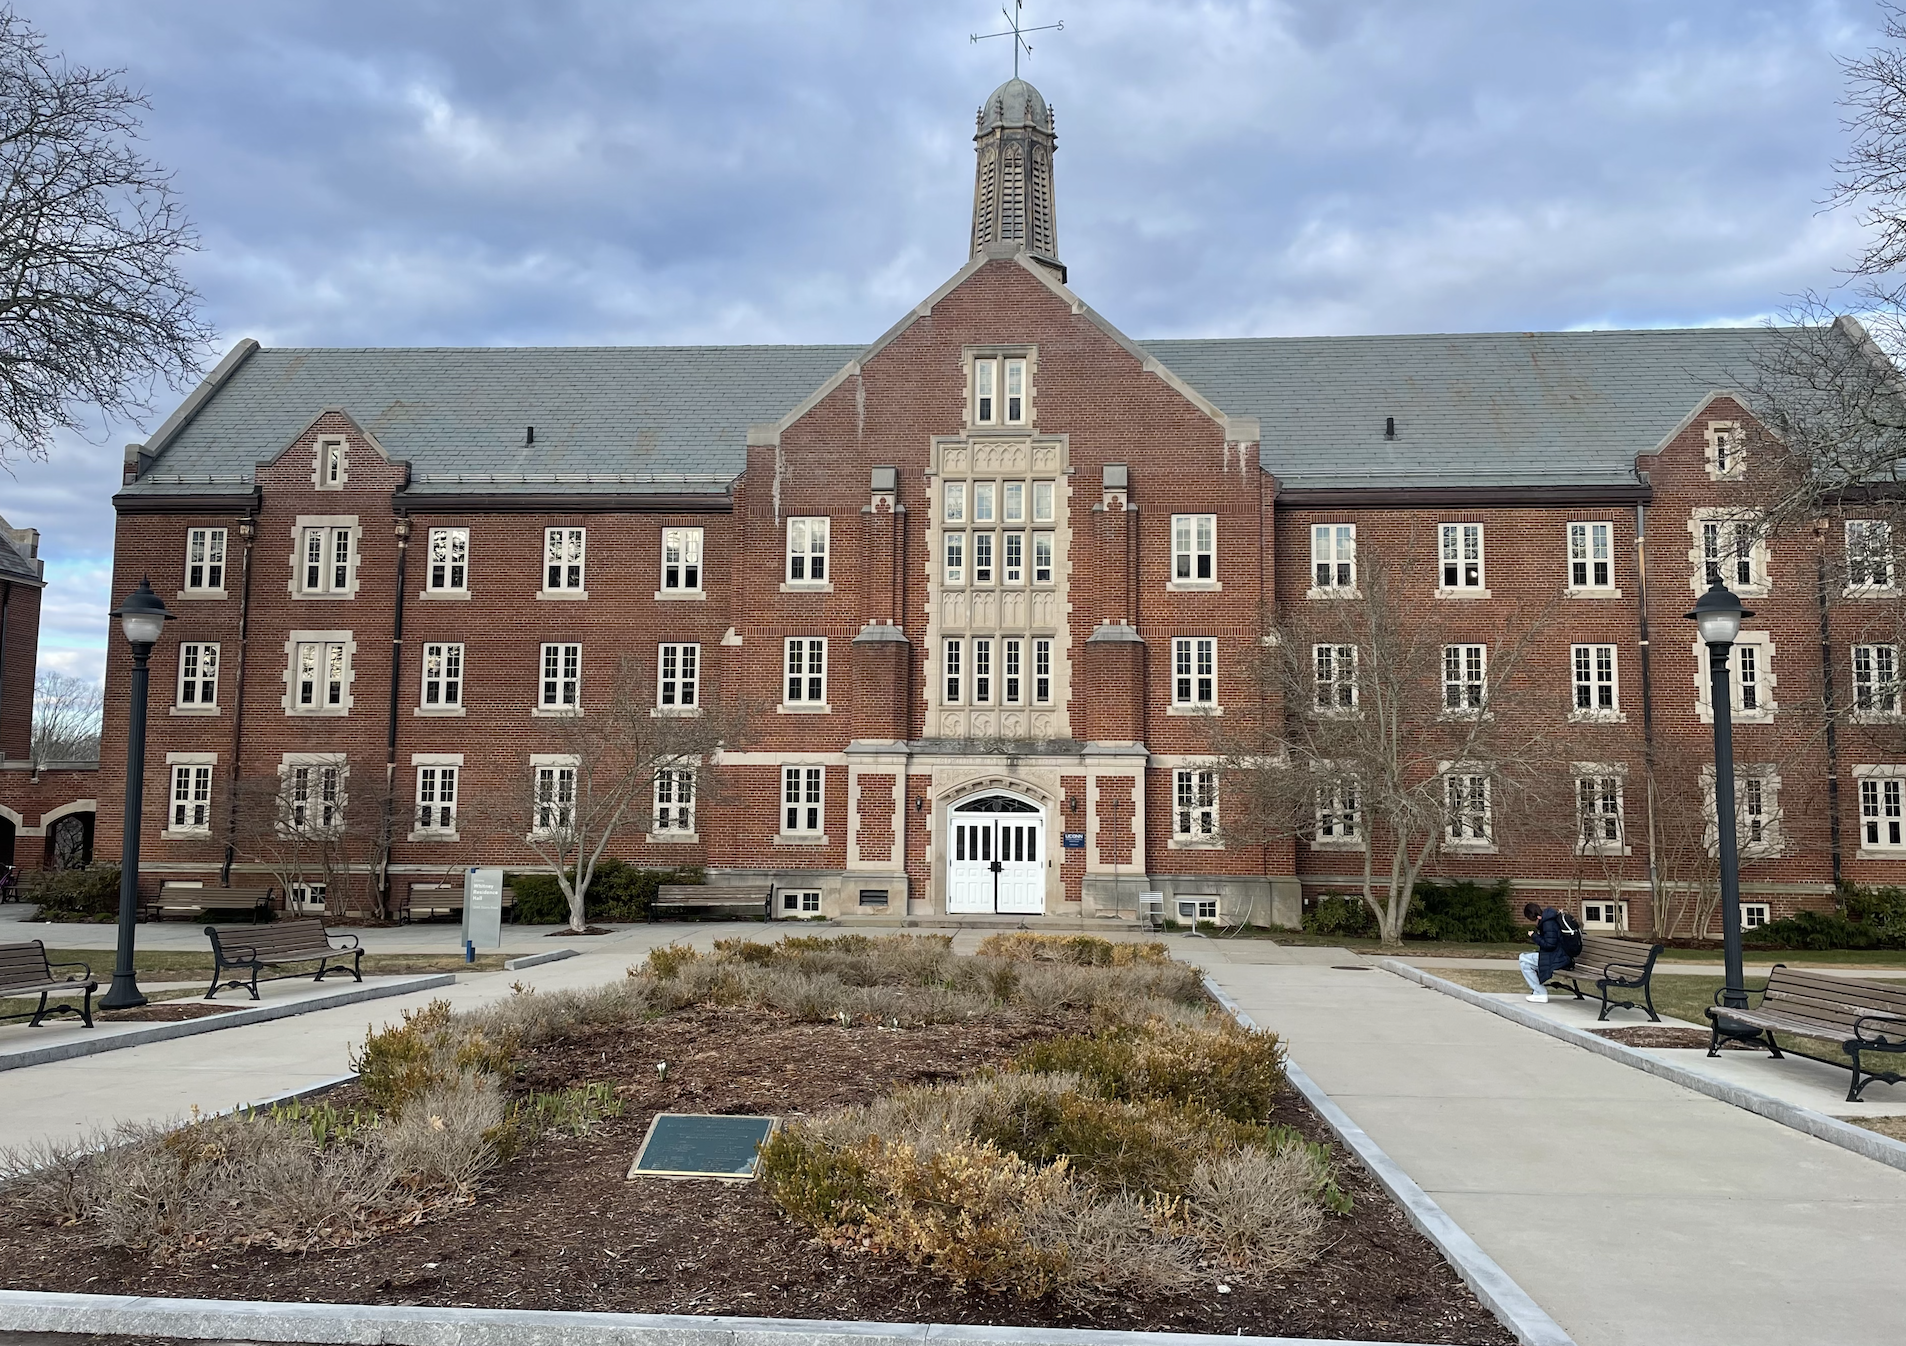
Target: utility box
x,y
483,908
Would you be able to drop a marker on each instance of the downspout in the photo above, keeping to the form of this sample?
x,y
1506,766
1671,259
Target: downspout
x,y
1647,703
1832,717
385,838
6,602
247,530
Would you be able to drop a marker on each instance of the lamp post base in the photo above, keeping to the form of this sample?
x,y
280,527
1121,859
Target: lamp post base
x,y
123,994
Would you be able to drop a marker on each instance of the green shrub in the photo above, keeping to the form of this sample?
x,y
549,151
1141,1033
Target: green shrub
x,y
1880,908
1822,930
399,1065
1341,916
73,894
618,891
1464,912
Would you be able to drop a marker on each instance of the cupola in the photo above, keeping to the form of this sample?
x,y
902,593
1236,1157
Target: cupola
x,y
1012,185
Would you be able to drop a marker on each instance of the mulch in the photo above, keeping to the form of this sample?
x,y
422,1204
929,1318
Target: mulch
x,y
164,1012
1666,1035
563,1228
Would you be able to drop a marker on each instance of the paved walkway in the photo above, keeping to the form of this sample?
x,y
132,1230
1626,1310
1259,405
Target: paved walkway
x,y
1631,1209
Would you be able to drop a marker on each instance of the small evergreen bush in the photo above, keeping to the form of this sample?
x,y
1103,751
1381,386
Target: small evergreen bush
x,y
1822,930
619,891
1463,912
74,894
1341,916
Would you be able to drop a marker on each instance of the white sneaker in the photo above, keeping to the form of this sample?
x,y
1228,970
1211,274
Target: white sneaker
x,y
1539,999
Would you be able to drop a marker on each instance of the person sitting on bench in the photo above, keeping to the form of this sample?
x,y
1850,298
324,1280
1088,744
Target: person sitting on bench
x,y
1557,940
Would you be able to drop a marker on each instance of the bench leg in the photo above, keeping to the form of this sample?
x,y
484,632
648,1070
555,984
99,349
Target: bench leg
x,y
1647,994
1606,1006
357,965
213,989
253,985
39,1013
86,1007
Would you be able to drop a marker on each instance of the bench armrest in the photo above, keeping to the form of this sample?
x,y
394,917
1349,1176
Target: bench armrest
x,y
235,954
1751,990
1898,1035
353,942
86,970
1626,967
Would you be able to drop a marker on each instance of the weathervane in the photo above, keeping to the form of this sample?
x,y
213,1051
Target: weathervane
x,y
1018,33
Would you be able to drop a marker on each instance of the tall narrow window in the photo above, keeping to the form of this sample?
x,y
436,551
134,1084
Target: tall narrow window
x,y
1727,549
675,801
204,560
326,559
678,677
801,803
449,560
1194,671
1338,816
1042,502
313,798
1595,687
1195,800
982,558
1011,653
950,667
330,463
1598,812
192,799
1462,555
1012,558
1012,502
807,551
1590,556
1747,664
1869,554
1465,677
563,559
1333,556
562,677
956,558
807,671
955,495
985,493
982,672
555,798
1194,543
1876,679
437,798
1042,558
681,560
1336,677
1042,672
1882,826
198,674
318,675
985,391
1753,820
443,676
1015,392
1466,808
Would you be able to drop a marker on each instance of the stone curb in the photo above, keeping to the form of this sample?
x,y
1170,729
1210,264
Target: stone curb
x,y
407,1325
537,959
1832,1130
1492,1285
185,1028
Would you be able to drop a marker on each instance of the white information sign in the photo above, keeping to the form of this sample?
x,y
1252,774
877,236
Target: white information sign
x,y
483,907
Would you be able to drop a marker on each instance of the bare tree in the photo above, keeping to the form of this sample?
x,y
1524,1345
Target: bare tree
x,y
311,825
1390,727
93,306
66,713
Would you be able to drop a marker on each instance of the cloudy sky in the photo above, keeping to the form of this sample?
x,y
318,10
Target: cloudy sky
x,y
394,172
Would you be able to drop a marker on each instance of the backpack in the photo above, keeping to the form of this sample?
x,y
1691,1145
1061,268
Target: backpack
x,y
1571,935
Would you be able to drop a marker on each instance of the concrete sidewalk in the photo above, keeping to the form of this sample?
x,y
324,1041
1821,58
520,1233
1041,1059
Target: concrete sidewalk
x,y
1633,1210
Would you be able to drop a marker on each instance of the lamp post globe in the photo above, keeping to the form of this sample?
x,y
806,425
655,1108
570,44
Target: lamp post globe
x,y
1717,616
142,616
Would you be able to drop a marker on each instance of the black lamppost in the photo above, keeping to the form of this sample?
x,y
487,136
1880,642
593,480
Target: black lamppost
x,y
1717,614
142,616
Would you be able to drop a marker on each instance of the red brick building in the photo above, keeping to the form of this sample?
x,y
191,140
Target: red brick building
x,y
980,587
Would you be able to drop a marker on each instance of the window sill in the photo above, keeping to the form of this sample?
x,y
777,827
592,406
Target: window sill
x,y
673,838
191,834
1457,716
803,708
437,712
1869,591
1193,844
681,595
303,597
299,713
1880,853
1607,849
1346,846
444,596
1194,586
1732,474
1705,714
1597,717
1194,710
1464,592
199,595
1866,717
1334,592
1469,848
799,839
555,712
799,587
1605,592
193,710
675,712
1336,713
562,595
434,836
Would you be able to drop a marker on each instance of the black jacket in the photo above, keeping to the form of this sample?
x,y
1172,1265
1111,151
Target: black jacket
x,y
1548,938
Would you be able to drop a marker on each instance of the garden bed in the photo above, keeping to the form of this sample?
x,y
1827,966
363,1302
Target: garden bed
x,y
560,1227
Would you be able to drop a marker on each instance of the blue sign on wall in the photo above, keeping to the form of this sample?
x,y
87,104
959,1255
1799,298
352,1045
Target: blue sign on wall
x,y
1074,841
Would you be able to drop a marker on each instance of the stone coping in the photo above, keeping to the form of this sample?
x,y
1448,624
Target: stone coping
x,y
537,959
1816,1124
1491,1284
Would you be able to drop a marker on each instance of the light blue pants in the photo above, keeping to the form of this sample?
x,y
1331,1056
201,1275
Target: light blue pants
x,y
1529,962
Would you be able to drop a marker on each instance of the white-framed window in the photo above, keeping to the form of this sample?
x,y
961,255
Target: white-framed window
x,y
1757,814
1012,558
1725,459
191,809
952,669
1335,669
1194,804
1194,671
1012,671
1043,496
312,795
800,901
1462,556
954,495
320,674
442,676
561,682
1882,807
985,495
1756,913
802,800
1597,682
449,571
999,391
555,783
1042,556
1467,819
564,560
205,560
1605,914
1333,558
681,560
806,664
198,675
1598,811
437,798
1730,546
1012,502
1041,671
327,559
1339,817
983,671
807,551
983,557
1876,680
332,464
675,802
678,676
1465,679
1869,556
1194,548
1591,556
313,897
1750,677
956,558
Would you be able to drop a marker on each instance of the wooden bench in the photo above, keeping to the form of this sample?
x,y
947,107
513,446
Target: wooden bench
x,y
1609,962
9,883
442,902
183,900
25,971
1856,1016
277,945
755,899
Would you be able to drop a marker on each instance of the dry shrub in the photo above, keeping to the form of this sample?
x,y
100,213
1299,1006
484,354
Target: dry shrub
x,y
1258,1209
426,1050
1079,950
1221,1069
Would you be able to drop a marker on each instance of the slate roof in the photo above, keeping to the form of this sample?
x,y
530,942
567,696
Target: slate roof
x,y
1476,409
15,564
608,418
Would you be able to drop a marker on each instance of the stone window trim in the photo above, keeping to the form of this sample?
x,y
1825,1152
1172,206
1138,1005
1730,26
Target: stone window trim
x,y
1728,522
320,710
1768,818
1721,451
293,761
1765,680
997,423
331,463
1194,804
446,564
1876,690
429,769
1589,557
205,563
328,530
1872,571
188,798
1468,829
1587,664
444,663
1880,800
1591,805
1337,813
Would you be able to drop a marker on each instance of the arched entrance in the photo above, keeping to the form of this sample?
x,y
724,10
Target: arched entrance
x,y
996,856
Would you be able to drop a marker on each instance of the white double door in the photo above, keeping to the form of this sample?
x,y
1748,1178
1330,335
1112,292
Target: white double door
x,y
996,862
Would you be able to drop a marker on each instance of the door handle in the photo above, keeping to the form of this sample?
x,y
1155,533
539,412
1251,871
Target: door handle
x,y
996,866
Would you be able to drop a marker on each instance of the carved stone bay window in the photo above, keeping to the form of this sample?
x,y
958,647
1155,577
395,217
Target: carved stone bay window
x,y
997,541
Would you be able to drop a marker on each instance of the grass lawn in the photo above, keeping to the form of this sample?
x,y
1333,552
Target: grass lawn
x,y
191,962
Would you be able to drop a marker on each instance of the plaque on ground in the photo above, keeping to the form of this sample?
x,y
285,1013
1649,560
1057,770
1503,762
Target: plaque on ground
x,y
702,1145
